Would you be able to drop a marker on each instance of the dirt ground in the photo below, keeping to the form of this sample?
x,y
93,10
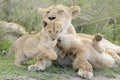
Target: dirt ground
x,y
97,78
65,78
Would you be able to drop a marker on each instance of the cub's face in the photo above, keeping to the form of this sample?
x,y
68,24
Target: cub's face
x,y
52,29
67,41
64,41
60,13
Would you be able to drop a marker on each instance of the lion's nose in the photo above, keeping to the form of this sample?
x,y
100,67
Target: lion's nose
x,y
51,18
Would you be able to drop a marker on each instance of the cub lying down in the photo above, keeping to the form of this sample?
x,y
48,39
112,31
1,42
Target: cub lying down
x,y
40,45
85,56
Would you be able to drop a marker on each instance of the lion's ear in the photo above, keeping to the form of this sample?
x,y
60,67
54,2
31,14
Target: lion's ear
x,y
41,10
44,23
74,10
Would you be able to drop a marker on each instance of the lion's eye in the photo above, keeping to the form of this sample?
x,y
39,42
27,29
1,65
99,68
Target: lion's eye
x,y
50,31
56,31
60,11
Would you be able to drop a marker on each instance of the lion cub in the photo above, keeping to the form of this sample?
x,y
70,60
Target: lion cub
x,y
40,44
85,55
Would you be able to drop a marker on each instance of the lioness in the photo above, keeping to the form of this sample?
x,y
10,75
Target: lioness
x,y
62,14
85,56
65,15
40,44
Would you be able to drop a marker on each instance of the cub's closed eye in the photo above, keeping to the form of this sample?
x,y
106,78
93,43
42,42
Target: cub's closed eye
x,y
50,31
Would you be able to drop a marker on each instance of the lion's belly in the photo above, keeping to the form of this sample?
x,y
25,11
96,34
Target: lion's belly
x,y
102,60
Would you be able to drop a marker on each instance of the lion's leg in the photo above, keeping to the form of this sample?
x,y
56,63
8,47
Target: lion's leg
x,y
96,43
38,66
43,61
19,59
66,61
49,55
114,55
46,52
84,67
62,53
40,63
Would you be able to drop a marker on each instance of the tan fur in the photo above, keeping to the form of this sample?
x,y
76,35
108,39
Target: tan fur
x,y
103,43
65,15
40,44
96,40
86,56
62,14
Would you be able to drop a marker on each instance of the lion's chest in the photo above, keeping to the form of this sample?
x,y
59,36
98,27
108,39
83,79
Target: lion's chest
x,y
30,47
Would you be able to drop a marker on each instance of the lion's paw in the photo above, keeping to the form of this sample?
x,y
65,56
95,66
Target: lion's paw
x,y
36,68
98,37
85,74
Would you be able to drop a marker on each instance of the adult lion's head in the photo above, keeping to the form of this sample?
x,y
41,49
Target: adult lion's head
x,y
60,13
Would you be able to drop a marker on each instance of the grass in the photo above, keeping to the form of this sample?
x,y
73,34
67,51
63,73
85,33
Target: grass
x,y
53,73
25,13
8,70
112,73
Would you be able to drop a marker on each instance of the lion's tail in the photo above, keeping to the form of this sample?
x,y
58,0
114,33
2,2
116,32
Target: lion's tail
x,y
11,51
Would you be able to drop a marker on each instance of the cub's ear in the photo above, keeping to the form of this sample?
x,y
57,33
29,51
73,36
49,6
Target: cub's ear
x,y
74,10
44,23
